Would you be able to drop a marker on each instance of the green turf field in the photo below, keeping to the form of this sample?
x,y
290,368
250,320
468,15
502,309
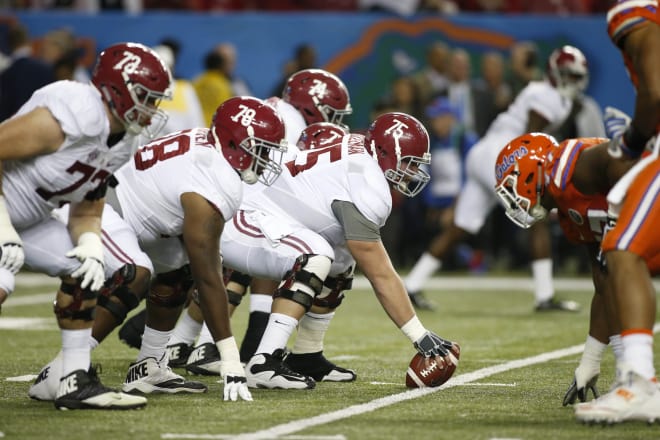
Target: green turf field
x,y
515,367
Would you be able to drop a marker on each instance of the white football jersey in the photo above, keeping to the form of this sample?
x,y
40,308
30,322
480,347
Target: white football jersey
x,y
151,185
34,187
302,196
538,96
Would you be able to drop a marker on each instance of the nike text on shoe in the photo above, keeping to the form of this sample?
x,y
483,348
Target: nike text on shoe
x,y
48,381
177,354
631,398
318,367
148,376
83,390
269,371
204,360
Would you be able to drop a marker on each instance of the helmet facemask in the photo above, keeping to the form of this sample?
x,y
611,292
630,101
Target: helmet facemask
x,y
409,178
266,164
522,211
145,114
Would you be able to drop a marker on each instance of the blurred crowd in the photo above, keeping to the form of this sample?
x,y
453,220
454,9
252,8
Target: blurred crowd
x,y
403,7
454,100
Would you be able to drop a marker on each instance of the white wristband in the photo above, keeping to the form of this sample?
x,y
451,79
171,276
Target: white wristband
x,y
7,230
413,329
228,350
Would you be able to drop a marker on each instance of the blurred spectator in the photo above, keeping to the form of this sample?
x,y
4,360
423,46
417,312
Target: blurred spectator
x,y
431,80
212,86
184,110
442,7
130,6
491,94
304,58
459,91
24,75
524,64
493,6
239,86
555,7
59,49
402,97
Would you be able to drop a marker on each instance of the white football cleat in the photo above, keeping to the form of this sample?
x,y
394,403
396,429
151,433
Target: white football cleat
x,y
48,381
269,371
148,376
631,398
204,360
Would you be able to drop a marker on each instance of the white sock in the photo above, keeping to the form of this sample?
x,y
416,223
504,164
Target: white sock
x,y
186,330
638,353
205,336
154,343
421,272
76,354
617,347
277,332
260,302
542,273
93,343
593,353
311,332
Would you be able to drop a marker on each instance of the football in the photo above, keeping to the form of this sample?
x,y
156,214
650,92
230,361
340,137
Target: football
x,y
426,372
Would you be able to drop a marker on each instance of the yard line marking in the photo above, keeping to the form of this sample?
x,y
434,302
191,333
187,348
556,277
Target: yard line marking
x,y
231,436
7,323
354,410
490,384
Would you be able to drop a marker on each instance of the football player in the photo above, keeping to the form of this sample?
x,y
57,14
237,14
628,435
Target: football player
x,y
535,175
631,246
60,148
321,218
540,106
175,197
311,97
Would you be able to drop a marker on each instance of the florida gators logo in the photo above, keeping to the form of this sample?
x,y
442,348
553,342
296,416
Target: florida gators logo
x,y
508,161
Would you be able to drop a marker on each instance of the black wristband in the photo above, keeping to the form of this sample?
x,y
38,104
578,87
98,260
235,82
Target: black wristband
x,y
634,139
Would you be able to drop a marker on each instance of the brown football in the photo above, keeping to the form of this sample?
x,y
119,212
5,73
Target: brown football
x,y
426,372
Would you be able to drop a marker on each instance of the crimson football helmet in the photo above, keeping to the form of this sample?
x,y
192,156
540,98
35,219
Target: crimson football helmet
x,y
318,95
251,135
133,80
319,135
520,177
400,145
567,71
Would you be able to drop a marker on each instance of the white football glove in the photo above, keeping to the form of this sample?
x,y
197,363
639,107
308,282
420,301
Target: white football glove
x,y
616,123
90,253
11,246
232,372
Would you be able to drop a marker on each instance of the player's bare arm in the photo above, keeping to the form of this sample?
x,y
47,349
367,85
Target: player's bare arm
x,y
37,132
596,171
372,258
202,227
643,47
537,122
85,216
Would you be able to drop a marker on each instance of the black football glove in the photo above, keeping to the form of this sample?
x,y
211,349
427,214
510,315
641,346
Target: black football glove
x,y
431,345
574,393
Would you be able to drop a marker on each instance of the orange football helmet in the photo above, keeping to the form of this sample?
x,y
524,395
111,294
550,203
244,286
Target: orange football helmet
x,y
519,171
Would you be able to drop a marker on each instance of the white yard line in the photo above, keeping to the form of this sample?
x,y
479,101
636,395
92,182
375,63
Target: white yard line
x,y
284,430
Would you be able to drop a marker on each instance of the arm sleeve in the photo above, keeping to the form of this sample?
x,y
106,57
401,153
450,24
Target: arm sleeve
x,y
356,226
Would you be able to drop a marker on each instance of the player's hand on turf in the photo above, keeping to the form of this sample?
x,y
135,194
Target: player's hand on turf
x,y
90,253
581,392
235,384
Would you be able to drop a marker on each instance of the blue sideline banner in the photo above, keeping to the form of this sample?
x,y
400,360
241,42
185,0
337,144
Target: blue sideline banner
x,y
367,50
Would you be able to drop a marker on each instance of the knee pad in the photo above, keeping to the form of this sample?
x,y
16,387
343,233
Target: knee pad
x,y
305,280
170,289
232,277
333,290
76,310
117,287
